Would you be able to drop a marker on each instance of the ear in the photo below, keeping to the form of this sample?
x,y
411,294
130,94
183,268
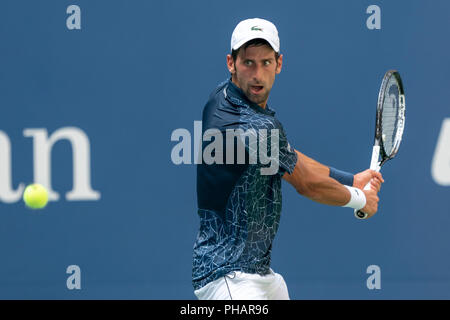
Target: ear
x,y
279,64
230,63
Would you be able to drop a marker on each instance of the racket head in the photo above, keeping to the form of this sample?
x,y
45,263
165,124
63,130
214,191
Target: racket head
x,y
390,118
390,123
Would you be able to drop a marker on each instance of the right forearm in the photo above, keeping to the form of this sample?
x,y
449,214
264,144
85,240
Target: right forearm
x,y
326,190
309,180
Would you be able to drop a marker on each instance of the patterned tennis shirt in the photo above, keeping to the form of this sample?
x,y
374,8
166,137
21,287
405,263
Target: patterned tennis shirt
x,y
239,206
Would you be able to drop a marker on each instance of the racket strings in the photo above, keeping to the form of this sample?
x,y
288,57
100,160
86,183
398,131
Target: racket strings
x,y
390,116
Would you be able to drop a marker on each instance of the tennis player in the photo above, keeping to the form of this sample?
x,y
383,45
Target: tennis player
x,y
238,206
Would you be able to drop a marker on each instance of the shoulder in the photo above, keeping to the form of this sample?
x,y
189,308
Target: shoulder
x,y
218,91
218,112
258,120
217,96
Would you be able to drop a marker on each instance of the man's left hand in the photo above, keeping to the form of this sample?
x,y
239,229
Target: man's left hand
x,y
360,180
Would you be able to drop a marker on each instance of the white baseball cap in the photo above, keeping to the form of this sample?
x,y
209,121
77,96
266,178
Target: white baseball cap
x,y
255,28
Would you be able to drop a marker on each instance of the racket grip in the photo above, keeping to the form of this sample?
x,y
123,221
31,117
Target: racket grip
x,y
361,215
374,165
358,213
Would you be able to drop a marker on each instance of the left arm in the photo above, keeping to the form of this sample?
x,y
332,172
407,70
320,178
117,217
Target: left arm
x,y
313,164
310,180
359,180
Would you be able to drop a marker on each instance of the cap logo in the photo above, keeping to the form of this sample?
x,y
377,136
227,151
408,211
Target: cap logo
x,y
256,28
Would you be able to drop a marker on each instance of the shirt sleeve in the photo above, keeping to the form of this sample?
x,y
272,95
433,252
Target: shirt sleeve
x,y
287,155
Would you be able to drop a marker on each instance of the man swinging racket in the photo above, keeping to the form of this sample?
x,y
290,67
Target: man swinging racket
x,y
239,204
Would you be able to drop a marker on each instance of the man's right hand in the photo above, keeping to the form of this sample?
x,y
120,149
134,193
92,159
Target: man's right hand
x,y
372,199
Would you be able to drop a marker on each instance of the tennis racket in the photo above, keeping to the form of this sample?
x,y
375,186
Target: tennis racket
x,y
389,124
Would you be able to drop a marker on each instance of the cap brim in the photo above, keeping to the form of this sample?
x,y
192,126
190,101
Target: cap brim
x,y
247,39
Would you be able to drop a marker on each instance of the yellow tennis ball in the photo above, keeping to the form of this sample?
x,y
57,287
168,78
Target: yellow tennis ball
x,y
35,196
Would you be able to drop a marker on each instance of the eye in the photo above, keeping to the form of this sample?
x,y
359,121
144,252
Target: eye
x,y
248,62
267,62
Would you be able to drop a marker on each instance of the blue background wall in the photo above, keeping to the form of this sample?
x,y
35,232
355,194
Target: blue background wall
x,y
138,70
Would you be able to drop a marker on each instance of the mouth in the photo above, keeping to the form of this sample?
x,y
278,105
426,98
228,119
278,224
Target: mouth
x,y
256,89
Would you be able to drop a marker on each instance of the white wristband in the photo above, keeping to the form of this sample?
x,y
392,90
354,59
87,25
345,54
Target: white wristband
x,y
357,199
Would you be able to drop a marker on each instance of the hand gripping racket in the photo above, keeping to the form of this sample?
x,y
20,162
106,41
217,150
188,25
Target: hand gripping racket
x,y
389,125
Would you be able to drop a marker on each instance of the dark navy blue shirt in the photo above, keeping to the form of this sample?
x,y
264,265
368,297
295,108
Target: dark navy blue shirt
x,y
238,206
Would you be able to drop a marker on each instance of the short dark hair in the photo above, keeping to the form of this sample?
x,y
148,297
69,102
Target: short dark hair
x,y
254,42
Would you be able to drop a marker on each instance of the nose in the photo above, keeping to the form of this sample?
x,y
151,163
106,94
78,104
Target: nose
x,y
257,73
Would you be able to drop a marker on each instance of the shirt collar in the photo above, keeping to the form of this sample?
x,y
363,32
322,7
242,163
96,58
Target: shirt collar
x,y
235,95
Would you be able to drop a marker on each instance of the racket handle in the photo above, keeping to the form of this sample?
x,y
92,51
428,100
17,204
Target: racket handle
x,y
358,213
374,165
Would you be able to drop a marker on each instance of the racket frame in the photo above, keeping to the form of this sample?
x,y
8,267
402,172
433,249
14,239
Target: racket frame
x,y
378,147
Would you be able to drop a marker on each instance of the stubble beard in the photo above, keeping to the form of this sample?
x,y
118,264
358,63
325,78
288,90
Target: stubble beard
x,y
255,98
258,99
